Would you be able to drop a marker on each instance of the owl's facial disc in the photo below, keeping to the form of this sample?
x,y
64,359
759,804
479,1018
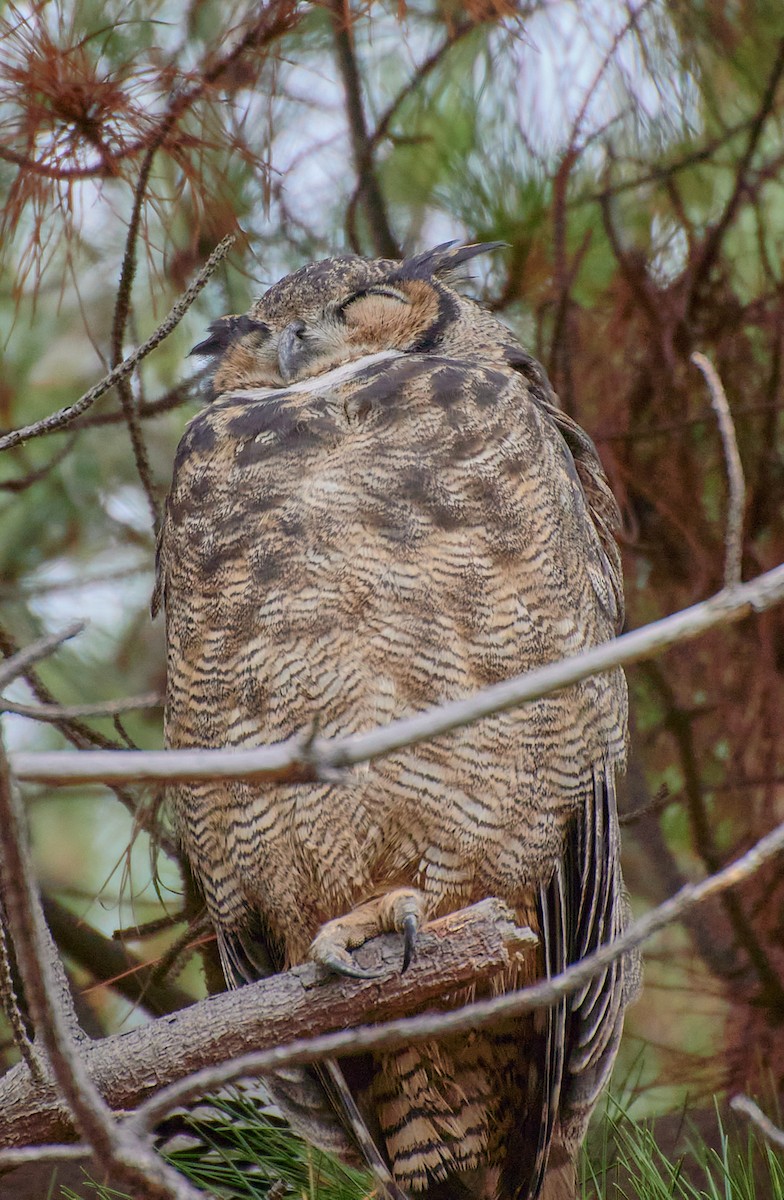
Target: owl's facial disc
x,y
379,317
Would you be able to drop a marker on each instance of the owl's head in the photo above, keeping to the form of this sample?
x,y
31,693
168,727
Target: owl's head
x,y
334,311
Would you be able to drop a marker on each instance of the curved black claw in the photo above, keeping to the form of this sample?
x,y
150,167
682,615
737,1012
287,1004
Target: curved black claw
x,y
345,967
410,928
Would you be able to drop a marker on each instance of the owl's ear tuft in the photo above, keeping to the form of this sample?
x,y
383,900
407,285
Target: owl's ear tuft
x,y
444,259
225,331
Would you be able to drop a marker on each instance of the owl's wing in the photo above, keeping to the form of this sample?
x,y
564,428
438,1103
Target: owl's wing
x,y
595,1013
582,908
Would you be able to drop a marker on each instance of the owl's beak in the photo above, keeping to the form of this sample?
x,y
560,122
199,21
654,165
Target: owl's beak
x,y
292,351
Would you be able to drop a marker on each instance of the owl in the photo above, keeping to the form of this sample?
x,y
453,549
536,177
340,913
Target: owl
x,y
383,508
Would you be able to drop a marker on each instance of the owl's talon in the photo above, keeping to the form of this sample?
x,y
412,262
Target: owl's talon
x,y
410,930
344,966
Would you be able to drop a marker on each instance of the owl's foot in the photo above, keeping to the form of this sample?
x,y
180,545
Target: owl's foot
x,y
399,911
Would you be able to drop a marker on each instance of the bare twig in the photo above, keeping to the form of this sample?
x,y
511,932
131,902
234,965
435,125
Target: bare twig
x,y
74,583
23,482
122,310
306,759
745,1105
110,964
679,723
11,1006
17,1156
19,663
456,34
116,1149
384,242
715,236
65,416
735,479
51,713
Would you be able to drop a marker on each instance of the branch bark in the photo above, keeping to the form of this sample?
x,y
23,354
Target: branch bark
x,y
305,759
133,1066
464,948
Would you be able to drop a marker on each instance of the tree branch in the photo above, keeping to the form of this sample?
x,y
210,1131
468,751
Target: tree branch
x,y
19,663
384,242
735,479
116,1149
308,758
53,713
111,964
742,1104
130,1067
65,416
716,234
457,951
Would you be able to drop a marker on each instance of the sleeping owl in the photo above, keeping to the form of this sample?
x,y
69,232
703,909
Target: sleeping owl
x,y
383,508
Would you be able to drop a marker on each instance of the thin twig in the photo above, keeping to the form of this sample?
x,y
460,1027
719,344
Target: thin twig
x,y
11,1006
74,583
303,759
52,713
18,1156
384,241
715,235
19,663
743,1104
23,482
111,965
122,309
478,1015
65,416
737,484
456,34
126,1157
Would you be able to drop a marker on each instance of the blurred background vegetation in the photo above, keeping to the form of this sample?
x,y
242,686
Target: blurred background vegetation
x,y
630,154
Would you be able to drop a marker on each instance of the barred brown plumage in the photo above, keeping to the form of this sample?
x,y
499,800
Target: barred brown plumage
x,y
384,508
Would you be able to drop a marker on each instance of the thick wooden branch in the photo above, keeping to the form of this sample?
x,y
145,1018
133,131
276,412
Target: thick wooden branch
x,y
304,759
467,947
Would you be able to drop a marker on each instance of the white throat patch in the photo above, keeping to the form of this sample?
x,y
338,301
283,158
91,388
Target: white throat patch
x,y
317,383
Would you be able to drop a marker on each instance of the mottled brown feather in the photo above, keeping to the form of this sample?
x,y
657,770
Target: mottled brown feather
x,y
355,547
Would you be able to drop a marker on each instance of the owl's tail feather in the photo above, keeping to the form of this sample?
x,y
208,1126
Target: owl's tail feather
x,y
316,1102
339,1092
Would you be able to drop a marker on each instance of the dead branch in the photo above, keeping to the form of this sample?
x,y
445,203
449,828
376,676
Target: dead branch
x,y
116,1149
480,1014
19,1155
65,416
456,34
679,723
110,964
122,309
462,949
743,1104
735,479
18,664
129,1068
715,236
52,713
384,242
270,23
82,736
307,758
